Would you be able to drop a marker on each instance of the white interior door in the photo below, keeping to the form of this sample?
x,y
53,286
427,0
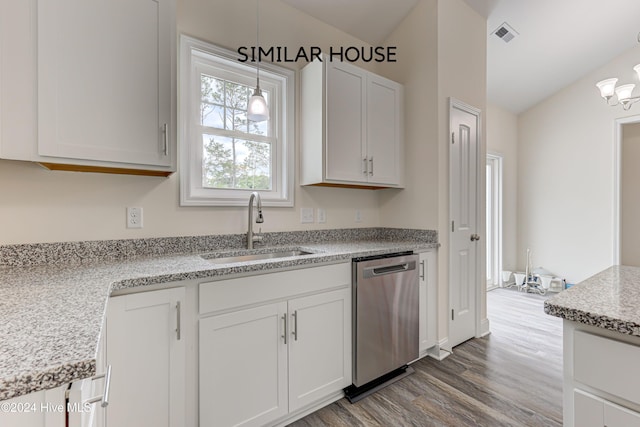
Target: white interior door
x,y
464,235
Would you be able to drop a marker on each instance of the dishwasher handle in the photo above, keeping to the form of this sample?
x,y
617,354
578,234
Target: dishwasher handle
x,y
389,269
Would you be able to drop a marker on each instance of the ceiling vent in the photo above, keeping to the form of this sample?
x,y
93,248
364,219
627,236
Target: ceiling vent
x,y
505,32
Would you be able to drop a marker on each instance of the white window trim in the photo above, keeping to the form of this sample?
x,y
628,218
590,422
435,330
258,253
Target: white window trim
x,y
496,159
192,193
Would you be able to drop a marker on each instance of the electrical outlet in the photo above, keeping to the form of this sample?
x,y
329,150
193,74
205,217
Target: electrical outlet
x,y
322,215
306,215
358,215
134,217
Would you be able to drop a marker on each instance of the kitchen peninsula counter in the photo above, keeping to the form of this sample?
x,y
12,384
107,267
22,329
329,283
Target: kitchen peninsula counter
x,y
609,300
601,347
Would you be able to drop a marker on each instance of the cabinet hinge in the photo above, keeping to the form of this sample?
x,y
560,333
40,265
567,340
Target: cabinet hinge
x,y
453,137
452,314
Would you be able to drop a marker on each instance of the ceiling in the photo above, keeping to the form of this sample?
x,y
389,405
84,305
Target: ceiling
x,y
369,20
558,41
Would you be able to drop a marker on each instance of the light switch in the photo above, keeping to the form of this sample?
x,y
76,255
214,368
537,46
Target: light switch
x,y
322,215
306,215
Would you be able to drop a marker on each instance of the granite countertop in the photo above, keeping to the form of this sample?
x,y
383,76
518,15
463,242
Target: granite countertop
x,y
51,315
609,300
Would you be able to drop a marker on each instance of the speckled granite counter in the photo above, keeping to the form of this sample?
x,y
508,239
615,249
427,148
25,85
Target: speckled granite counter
x,y
609,300
53,296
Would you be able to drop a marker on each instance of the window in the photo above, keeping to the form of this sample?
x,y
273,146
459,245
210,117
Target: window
x,y
225,156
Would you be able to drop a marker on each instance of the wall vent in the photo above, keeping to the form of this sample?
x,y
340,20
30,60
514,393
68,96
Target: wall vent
x,y
505,32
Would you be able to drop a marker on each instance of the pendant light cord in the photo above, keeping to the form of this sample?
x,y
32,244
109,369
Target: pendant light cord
x,y
258,43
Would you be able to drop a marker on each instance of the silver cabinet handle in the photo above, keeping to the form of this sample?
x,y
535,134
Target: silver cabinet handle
x,y
166,139
285,328
107,387
178,326
422,269
365,169
295,325
371,163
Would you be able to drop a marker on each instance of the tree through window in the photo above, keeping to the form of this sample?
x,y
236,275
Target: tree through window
x,y
236,151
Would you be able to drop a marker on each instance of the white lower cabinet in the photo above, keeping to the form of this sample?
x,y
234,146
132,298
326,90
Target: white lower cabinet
x,y
592,411
243,367
601,377
45,408
319,355
266,364
428,304
147,355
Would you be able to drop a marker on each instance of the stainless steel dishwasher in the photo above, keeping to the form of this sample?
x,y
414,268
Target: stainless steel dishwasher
x,y
386,320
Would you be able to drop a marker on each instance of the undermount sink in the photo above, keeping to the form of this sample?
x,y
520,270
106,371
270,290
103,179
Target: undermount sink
x,y
256,257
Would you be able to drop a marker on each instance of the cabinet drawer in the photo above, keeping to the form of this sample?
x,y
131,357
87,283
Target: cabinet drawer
x,y
608,365
245,291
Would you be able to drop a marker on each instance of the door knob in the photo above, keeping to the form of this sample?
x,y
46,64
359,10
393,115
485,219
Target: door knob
x,y
474,237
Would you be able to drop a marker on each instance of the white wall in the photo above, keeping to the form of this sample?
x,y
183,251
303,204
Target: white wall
x,y
502,139
44,206
443,46
565,186
417,41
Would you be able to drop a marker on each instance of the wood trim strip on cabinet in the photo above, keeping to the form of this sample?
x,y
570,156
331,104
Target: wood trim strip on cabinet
x,y
364,187
103,169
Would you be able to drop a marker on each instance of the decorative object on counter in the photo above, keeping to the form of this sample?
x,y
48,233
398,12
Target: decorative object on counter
x,y
257,109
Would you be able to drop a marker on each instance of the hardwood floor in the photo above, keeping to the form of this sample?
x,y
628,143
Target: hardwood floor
x,y
513,377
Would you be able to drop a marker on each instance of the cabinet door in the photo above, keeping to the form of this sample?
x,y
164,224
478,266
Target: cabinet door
x,y
384,106
147,357
39,409
617,416
428,304
243,367
104,80
320,346
588,410
345,123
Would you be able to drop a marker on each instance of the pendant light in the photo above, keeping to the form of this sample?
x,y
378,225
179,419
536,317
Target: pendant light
x,y
257,109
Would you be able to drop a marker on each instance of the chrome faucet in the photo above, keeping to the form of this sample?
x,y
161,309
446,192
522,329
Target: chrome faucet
x,y
251,238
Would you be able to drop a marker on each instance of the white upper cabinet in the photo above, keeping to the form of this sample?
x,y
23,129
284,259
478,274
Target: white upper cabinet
x,y
94,83
351,127
384,123
346,123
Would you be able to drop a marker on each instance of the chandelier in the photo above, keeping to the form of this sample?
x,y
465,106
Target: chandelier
x,y
623,93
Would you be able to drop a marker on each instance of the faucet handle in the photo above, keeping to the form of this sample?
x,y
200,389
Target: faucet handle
x,y
257,237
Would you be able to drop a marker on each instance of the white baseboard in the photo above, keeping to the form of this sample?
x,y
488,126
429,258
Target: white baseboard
x,y
438,352
288,419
